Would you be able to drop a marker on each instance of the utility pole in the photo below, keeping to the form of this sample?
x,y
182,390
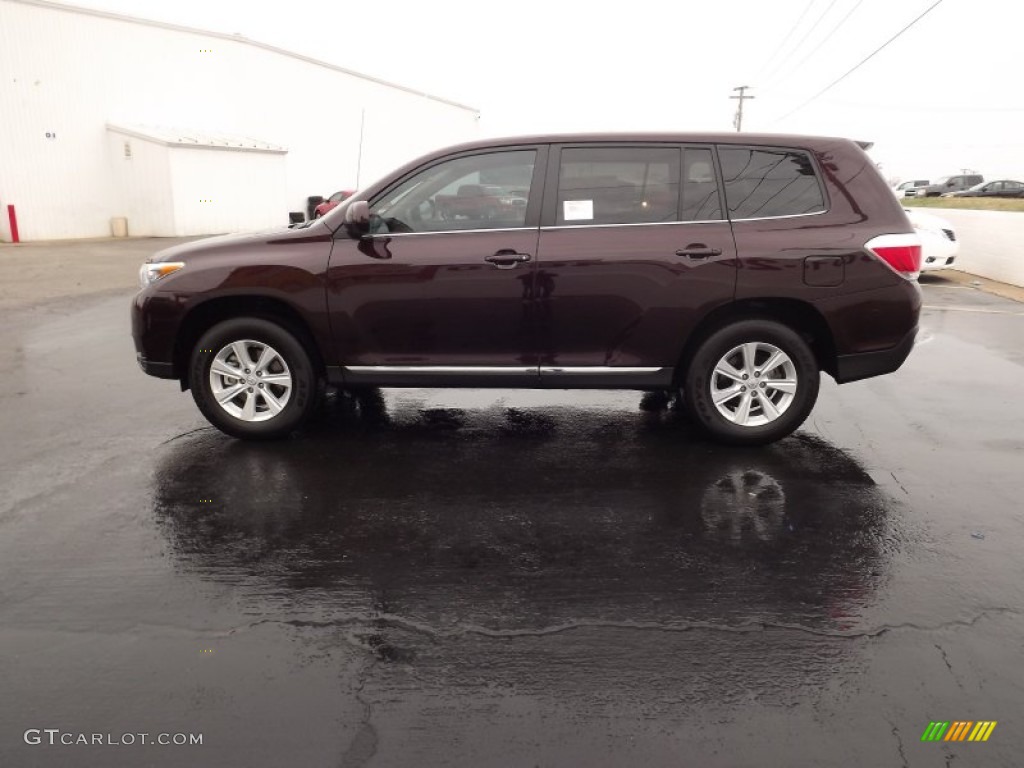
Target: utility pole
x,y
738,120
359,160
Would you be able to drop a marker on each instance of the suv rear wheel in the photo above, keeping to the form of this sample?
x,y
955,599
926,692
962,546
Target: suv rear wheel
x,y
751,382
252,379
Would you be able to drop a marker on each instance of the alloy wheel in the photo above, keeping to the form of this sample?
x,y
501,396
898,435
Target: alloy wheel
x,y
753,384
250,380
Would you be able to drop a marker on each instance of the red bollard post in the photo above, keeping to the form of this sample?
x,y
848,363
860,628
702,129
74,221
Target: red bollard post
x,y
12,217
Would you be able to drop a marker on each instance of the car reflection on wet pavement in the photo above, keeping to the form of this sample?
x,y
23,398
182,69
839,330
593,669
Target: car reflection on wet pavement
x,y
565,518
506,578
608,547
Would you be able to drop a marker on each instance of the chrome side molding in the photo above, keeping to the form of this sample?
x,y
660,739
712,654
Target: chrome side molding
x,y
499,370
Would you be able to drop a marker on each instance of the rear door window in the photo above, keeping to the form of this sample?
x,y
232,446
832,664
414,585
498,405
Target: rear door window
x,y
763,182
618,185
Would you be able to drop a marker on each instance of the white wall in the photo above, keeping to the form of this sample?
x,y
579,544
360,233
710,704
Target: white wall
x,y
142,191
990,243
217,190
71,72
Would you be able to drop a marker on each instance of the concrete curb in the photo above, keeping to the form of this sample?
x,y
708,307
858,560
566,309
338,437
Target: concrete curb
x,y
968,280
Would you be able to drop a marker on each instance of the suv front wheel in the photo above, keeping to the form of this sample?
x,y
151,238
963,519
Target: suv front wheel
x,y
252,379
752,382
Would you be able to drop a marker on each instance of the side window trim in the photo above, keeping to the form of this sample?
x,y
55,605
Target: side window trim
x,y
549,214
723,204
818,177
716,170
537,187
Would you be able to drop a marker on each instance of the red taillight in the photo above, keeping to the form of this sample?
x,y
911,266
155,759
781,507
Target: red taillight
x,y
902,258
901,252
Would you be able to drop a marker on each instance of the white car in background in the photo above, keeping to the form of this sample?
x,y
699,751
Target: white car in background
x,y
939,244
909,188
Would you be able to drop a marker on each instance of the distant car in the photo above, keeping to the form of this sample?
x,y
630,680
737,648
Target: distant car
x,y
481,201
1003,188
332,201
909,188
939,244
951,184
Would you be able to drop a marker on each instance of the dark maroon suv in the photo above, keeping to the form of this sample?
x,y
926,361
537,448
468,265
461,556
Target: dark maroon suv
x,y
730,268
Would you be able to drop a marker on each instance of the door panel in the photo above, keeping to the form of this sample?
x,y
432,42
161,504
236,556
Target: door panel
x,y
634,252
432,300
444,279
620,296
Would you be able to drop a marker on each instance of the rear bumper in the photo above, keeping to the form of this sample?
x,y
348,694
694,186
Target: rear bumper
x,y
864,365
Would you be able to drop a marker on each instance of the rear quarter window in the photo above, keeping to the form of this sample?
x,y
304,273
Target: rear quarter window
x,y
765,182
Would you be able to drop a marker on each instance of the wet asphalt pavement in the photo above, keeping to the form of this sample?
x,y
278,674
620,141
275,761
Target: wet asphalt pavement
x,y
477,578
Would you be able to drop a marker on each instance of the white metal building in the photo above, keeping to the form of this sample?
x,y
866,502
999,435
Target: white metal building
x,y
186,132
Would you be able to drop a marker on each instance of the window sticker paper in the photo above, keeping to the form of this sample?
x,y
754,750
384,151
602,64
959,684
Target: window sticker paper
x,y
578,210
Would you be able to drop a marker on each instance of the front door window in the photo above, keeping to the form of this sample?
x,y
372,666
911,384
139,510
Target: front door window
x,y
488,191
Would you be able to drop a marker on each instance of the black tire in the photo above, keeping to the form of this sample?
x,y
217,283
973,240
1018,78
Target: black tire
x,y
303,393
699,378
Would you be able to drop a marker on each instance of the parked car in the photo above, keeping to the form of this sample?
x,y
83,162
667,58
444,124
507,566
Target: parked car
x,y
1002,188
950,184
909,188
332,201
487,201
939,243
728,267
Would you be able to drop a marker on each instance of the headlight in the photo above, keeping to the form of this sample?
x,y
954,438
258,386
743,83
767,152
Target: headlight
x,y
149,273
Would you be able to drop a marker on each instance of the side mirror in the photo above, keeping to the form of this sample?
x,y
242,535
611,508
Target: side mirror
x,y
357,219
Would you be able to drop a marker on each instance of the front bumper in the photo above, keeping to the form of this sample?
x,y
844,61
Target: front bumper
x,y
156,368
936,262
154,324
864,365
937,249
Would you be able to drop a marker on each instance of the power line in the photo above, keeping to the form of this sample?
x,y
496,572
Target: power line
x,y
827,37
807,34
907,107
786,38
861,63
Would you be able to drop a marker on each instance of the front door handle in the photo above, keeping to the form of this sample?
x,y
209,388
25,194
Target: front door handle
x,y
698,251
507,259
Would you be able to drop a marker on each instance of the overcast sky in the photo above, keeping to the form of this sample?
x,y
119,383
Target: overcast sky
x,y
942,97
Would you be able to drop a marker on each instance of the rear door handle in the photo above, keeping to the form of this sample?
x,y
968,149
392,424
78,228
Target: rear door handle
x,y
698,251
507,259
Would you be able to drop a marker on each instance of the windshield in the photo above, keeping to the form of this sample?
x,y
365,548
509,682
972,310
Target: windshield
x,y
943,179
